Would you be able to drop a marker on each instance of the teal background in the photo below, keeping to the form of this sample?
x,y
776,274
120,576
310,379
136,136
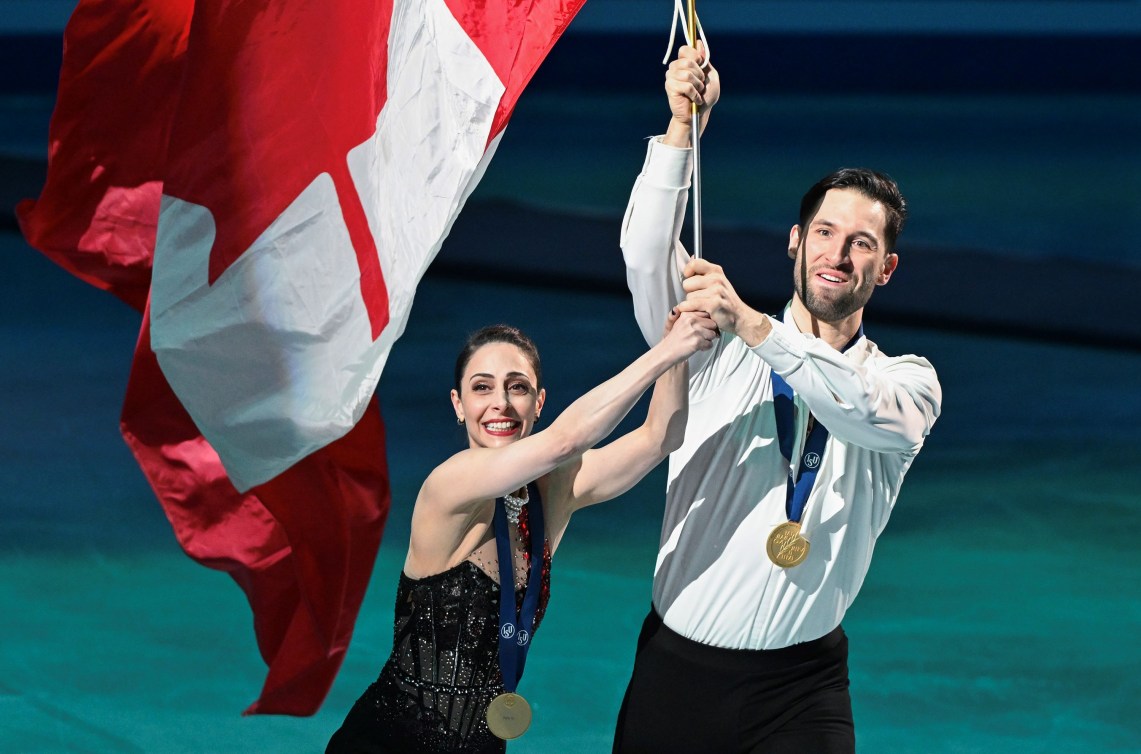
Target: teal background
x,y
1003,605
999,615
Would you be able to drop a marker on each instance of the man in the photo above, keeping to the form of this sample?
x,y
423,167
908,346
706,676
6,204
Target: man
x,y
800,432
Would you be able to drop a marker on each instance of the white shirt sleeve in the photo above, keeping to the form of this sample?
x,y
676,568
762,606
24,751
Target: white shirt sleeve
x,y
885,404
651,232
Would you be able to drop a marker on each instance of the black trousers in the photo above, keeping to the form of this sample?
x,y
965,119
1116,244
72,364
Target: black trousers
x,y
687,697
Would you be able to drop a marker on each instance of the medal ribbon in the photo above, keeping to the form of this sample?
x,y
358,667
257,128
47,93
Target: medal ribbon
x,y
515,626
813,452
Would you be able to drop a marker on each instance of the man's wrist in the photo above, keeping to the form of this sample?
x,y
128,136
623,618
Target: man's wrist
x,y
677,134
753,328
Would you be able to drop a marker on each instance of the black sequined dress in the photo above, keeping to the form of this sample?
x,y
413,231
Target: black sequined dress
x,y
433,692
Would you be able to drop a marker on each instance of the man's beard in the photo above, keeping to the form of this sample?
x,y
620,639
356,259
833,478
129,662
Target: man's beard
x,y
832,308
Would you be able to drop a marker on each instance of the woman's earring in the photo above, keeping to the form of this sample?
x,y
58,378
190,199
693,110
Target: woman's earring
x,y
460,420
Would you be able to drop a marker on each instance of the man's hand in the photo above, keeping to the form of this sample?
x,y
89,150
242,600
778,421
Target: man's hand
x,y
708,290
688,80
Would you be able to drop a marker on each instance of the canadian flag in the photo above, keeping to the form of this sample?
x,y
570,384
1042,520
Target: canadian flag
x,y
268,180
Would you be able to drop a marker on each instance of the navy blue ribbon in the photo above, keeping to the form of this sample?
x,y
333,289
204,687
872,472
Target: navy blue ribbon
x,y
515,626
800,486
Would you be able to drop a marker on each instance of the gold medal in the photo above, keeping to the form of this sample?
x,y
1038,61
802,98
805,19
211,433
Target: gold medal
x,y
786,546
508,716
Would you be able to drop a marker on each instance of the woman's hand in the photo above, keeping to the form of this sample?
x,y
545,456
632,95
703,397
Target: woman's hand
x,y
686,333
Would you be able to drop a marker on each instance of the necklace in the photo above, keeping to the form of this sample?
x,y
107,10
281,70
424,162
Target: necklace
x,y
514,505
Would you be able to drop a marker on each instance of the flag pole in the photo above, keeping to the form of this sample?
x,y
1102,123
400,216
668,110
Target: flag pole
x,y
695,139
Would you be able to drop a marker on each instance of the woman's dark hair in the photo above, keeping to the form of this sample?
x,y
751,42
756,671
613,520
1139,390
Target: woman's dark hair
x,y
498,334
878,187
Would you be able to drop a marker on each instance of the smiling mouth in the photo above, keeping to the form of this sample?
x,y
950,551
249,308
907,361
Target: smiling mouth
x,y
502,428
829,278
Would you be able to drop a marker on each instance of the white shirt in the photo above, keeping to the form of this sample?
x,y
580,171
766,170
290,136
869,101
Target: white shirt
x,y
713,581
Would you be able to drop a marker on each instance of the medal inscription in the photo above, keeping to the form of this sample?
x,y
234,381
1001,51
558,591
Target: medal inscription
x,y
786,547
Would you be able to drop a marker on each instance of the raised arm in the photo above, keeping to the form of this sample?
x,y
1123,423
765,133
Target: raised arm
x,y
476,475
607,472
651,228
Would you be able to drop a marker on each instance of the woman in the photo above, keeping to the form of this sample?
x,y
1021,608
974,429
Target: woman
x,y
457,652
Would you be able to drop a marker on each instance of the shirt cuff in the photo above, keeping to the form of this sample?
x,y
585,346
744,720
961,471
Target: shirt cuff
x,y
783,349
667,166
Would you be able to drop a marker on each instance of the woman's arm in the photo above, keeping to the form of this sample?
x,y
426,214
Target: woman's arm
x,y
605,473
476,475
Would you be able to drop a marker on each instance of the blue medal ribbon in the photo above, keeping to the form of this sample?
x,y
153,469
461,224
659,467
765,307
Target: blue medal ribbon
x,y
515,626
813,452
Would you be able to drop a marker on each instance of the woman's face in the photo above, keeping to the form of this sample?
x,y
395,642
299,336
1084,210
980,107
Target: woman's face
x,y
498,398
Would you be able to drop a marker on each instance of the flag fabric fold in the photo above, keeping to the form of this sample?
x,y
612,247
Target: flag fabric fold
x,y
268,180
107,143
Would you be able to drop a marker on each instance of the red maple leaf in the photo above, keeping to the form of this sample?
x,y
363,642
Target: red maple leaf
x,y
275,95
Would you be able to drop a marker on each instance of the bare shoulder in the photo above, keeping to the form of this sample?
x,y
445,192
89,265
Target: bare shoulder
x,y
447,488
442,535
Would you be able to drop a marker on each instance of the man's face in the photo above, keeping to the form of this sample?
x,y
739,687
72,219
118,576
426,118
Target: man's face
x,y
844,255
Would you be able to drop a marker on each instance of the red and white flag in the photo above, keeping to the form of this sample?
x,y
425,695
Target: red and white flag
x,y
270,179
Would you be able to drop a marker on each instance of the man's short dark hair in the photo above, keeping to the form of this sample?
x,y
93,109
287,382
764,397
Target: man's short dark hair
x,y
876,186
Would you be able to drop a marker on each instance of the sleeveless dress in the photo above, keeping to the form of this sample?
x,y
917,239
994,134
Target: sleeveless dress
x,y
433,691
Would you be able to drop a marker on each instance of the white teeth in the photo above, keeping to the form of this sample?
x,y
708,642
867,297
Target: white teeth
x,y
500,426
831,278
